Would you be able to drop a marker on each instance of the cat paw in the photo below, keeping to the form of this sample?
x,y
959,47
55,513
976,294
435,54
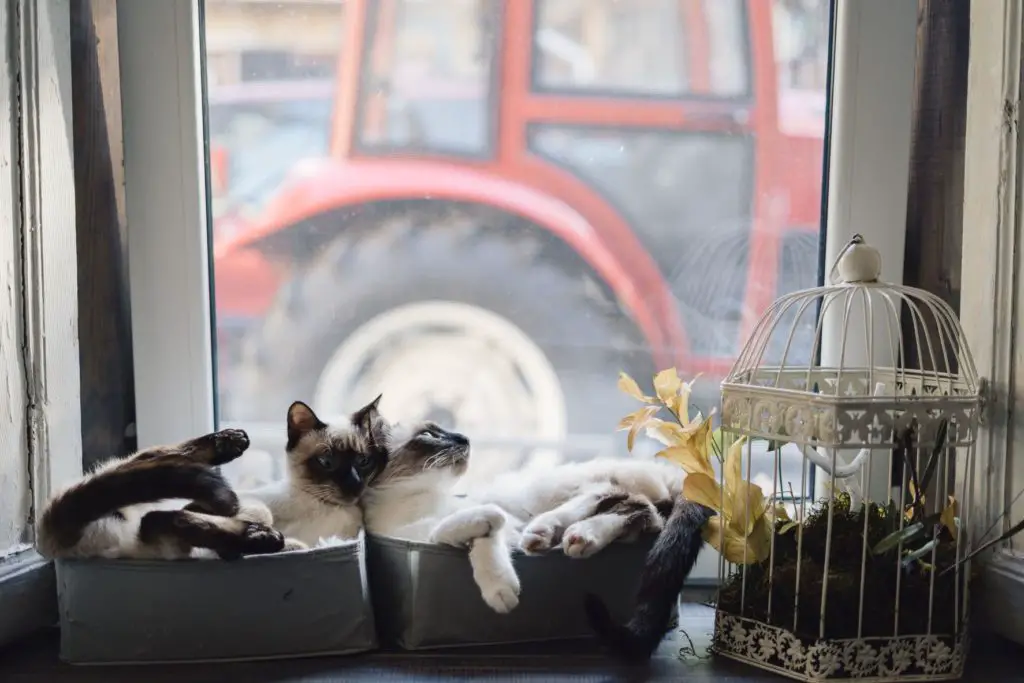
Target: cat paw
x,y
228,444
259,539
537,538
580,544
501,593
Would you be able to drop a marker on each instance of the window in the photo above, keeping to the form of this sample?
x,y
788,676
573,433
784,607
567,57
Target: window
x,y
486,244
428,73
663,48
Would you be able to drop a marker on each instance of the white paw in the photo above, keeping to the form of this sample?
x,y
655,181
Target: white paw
x,y
501,593
579,543
537,538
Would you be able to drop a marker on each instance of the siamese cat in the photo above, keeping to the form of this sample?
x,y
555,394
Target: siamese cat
x,y
126,507
580,507
329,468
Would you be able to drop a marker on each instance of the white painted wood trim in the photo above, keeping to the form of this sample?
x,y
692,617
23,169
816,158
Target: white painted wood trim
x,y
869,165
991,291
45,221
165,189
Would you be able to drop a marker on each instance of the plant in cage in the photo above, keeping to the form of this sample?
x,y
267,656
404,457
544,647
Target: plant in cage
x,y
869,581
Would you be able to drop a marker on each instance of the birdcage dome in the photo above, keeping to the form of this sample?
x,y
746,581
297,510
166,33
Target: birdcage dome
x,y
854,364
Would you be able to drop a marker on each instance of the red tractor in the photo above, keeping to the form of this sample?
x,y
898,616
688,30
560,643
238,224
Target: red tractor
x,y
494,206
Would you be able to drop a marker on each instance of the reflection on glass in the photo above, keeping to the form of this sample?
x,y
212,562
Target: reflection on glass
x,y
486,209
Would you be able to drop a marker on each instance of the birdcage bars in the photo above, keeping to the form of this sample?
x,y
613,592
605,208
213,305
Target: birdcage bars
x,y
872,404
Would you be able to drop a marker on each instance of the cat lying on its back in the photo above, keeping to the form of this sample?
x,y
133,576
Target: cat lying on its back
x,y
126,508
581,507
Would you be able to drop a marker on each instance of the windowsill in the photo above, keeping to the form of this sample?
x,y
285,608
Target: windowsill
x,y
579,661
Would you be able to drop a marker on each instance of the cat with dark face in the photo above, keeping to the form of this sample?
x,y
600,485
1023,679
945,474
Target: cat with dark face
x,y
329,468
579,507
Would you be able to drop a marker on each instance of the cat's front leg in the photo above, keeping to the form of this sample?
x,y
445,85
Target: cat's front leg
x,y
494,572
462,527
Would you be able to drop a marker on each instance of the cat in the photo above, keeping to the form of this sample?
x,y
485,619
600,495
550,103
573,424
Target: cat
x,y
579,506
666,567
125,508
329,467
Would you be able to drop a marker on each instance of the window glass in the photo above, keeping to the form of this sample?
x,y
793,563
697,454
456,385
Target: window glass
x,y
481,258
641,47
427,76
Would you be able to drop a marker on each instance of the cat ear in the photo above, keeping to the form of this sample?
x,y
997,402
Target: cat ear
x,y
369,419
301,419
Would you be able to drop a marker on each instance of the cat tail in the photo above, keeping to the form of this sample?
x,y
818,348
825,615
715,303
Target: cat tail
x,y
666,568
149,476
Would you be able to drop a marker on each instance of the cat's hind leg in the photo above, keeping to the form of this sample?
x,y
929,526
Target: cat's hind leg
x,y
626,519
545,531
183,470
229,537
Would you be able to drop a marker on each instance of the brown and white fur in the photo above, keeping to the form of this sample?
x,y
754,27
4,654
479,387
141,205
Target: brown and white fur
x,y
580,506
329,467
132,507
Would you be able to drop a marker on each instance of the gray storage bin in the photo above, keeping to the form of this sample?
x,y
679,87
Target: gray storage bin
x,y
424,595
295,604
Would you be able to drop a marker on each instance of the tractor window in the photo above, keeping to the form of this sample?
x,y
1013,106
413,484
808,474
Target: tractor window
x,y
264,139
657,48
426,82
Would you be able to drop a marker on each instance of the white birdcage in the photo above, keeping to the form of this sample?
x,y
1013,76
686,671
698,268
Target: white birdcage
x,y
845,584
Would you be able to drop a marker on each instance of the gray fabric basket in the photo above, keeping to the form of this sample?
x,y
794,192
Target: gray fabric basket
x,y
424,595
304,603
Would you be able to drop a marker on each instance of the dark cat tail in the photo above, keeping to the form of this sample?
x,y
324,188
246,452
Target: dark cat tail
x,y
160,473
666,568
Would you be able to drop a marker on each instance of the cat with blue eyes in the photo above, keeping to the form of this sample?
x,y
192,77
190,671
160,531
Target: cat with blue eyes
x,y
329,468
172,502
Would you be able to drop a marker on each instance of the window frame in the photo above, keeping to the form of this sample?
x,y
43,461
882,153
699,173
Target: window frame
x,y
990,300
168,214
38,66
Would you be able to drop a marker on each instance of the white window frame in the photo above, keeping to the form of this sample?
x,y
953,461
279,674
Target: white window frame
x,y
44,217
992,290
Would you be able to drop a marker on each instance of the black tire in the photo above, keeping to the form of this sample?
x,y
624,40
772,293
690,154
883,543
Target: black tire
x,y
509,269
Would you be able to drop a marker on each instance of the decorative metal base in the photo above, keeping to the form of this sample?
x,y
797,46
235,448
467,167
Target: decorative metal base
x,y
904,658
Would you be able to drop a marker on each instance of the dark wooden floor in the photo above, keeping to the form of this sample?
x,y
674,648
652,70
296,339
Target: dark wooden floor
x,y
36,661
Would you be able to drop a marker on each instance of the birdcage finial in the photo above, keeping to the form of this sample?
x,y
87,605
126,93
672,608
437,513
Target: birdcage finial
x,y
858,261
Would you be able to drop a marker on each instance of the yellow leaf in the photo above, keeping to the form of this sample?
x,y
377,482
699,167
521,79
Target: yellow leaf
x,y
949,515
908,513
644,416
702,488
746,507
668,433
734,546
787,527
666,386
689,459
683,402
781,514
629,386
628,421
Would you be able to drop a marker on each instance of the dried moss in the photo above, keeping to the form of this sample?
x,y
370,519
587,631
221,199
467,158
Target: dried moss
x,y
843,600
